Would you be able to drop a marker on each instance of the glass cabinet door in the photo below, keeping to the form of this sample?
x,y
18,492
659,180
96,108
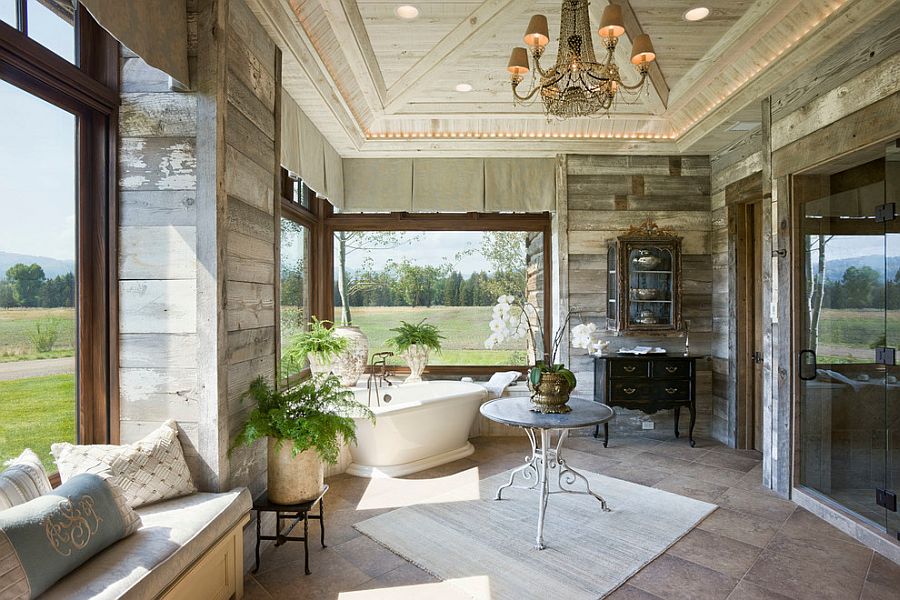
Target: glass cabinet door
x,y
650,285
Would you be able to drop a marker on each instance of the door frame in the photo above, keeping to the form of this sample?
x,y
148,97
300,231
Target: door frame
x,y
740,196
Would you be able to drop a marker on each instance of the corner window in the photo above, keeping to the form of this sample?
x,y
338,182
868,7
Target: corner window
x,y
295,285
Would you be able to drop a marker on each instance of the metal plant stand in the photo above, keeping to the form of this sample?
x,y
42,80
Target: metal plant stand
x,y
546,459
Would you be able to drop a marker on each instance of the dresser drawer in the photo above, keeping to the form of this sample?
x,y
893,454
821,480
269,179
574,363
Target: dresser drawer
x,y
671,369
629,368
672,390
630,391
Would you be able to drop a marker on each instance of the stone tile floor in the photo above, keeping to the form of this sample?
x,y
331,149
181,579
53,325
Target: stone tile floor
x,y
754,546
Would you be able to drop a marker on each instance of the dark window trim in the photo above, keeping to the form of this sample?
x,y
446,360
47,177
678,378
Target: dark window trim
x,y
89,91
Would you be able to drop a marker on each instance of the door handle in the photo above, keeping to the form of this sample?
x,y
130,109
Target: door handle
x,y
807,368
756,357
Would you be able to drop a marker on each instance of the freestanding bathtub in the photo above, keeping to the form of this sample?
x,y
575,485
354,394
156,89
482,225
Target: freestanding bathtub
x,y
422,425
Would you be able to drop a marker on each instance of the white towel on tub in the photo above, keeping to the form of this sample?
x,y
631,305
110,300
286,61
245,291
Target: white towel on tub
x,y
499,382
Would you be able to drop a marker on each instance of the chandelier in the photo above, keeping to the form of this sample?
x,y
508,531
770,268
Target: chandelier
x,y
577,85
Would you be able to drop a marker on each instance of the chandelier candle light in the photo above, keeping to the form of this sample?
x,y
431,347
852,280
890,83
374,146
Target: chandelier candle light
x,y
577,85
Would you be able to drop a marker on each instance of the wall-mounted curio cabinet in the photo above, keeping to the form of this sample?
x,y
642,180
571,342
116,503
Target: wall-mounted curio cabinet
x,y
644,280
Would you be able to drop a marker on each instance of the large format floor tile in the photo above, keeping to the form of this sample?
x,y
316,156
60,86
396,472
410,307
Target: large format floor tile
x,y
755,546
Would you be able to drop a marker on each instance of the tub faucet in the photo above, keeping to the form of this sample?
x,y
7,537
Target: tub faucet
x,y
378,378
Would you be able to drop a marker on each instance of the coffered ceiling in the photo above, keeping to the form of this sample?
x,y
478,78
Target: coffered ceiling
x,y
379,85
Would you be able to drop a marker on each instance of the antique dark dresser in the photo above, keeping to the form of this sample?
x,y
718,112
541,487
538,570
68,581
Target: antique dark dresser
x,y
647,383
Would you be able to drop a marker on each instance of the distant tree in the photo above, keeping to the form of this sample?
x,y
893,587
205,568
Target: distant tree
x,y
26,281
58,292
7,297
416,283
859,285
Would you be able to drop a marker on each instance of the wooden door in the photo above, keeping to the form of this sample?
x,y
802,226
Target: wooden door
x,y
755,210
750,323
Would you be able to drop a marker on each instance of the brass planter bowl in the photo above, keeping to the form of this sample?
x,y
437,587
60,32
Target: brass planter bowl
x,y
551,394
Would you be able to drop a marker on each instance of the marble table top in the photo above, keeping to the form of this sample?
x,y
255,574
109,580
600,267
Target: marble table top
x,y
516,411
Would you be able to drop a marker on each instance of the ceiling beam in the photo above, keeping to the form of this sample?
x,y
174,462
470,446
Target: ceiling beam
x,y
477,26
841,25
349,27
511,147
281,23
659,97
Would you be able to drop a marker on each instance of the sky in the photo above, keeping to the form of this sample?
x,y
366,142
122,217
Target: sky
x,y
37,159
429,248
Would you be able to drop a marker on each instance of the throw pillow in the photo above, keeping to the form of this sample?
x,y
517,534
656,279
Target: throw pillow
x,y
44,539
147,471
24,479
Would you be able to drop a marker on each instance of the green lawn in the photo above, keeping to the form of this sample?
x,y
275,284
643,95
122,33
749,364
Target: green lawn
x,y
17,325
37,412
465,327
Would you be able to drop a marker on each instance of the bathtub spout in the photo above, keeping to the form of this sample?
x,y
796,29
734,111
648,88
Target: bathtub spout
x,y
377,379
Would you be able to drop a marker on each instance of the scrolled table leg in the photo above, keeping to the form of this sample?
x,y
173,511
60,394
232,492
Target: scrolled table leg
x,y
528,470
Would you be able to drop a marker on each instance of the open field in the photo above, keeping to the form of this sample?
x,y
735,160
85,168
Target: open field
x,y
465,327
18,324
37,412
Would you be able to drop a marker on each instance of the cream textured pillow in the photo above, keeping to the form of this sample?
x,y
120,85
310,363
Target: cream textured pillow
x,y
149,470
24,479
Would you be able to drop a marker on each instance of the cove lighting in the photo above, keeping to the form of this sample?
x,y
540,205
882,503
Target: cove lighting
x,y
696,14
406,11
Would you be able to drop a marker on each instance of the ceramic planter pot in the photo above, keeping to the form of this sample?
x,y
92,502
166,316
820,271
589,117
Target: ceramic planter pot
x,y
351,364
416,356
551,394
319,367
293,479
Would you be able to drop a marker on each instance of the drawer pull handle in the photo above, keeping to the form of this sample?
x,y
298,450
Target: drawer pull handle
x,y
628,369
671,369
629,391
671,390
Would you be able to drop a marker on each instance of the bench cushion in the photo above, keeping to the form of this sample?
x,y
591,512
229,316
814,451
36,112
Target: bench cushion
x,y
173,536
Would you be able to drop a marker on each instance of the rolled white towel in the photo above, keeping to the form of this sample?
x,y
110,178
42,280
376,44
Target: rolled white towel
x,y
499,382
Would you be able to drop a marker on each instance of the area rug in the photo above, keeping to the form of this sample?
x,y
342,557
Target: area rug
x,y
486,547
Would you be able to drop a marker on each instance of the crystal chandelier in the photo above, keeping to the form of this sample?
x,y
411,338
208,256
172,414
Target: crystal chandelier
x,y
577,85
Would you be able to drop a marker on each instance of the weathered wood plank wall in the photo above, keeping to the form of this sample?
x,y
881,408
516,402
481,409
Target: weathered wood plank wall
x,y
606,195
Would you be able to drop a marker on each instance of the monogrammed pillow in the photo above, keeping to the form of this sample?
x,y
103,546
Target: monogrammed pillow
x,y
147,471
24,479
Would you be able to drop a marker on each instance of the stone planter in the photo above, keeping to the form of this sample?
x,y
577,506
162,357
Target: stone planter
x,y
416,357
551,394
351,364
319,367
293,479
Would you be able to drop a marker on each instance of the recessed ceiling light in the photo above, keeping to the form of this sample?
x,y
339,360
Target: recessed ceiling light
x,y
463,87
406,11
696,14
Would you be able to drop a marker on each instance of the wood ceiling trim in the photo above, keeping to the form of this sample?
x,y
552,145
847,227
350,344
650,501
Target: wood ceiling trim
x,y
842,24
347,22
281,24
659,97
480,24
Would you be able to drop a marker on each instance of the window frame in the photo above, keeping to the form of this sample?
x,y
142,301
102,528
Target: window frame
x,y
88,90
313,218
425,222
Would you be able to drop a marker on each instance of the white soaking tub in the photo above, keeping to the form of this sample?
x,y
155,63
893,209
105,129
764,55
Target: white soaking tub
x,y
423,425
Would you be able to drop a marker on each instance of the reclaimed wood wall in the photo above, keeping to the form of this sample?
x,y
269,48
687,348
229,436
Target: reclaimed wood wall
x,y
605,195
197,264
157,267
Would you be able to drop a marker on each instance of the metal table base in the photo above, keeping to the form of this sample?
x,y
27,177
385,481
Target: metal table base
x,y
546,459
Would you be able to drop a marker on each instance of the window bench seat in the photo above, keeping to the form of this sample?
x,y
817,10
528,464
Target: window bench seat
x,y
189,547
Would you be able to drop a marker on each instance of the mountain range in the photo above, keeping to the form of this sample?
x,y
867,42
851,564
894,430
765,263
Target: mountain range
x,y
51,266
834,269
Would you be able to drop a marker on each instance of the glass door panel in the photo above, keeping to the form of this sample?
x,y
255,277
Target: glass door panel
x,y
842,321
892,337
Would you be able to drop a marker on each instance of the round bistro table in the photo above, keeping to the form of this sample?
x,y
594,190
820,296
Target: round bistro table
x,y
547,457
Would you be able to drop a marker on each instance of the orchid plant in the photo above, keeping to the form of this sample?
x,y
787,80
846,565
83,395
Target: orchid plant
x,y
512,319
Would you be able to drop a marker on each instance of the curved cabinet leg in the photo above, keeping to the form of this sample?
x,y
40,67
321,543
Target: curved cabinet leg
x,y
606,435
677,418
693,420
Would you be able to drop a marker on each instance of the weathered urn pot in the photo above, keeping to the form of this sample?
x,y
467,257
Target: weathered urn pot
x,y
350,364
416,357
551,394
293,479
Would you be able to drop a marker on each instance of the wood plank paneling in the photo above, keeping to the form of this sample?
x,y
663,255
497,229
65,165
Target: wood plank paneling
x,y
158,306
157,252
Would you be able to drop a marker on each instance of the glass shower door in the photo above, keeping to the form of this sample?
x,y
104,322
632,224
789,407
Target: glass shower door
x,y
842,322
892,337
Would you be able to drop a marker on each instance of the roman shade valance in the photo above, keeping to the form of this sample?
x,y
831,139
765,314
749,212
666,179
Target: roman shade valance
x,y
306,153
155,30
526,185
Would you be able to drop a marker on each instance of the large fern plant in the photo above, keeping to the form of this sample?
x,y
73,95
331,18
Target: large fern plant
x,y
315,413
319,340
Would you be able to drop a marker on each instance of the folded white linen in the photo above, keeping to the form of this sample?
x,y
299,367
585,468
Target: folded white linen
x,y
498,382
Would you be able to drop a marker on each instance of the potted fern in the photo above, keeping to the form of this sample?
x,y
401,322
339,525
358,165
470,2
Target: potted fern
x,y
305,425
414,343
319,344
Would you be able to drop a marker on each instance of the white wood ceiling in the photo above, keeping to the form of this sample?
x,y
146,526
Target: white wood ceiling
x,y
378,85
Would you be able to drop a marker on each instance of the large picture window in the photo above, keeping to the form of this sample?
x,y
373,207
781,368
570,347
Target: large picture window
x,y
58,95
